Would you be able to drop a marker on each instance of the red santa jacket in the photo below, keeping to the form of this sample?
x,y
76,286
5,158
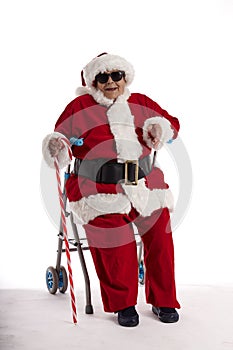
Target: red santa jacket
x,y
117,131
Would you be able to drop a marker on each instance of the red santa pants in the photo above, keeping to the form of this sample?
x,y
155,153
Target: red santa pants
x,y
114,252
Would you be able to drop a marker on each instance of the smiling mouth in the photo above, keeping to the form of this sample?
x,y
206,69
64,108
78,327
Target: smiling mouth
x,y
111,89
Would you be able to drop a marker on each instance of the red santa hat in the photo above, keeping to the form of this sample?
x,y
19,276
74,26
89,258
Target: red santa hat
x,y
106,62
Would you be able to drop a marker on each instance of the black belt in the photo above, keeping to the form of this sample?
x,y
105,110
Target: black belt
x,y
110,172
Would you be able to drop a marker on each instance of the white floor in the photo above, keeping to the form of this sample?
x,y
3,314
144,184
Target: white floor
x,y
36,320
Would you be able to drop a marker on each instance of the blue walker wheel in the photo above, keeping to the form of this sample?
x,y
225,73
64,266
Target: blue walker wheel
x,y
63,280
52,280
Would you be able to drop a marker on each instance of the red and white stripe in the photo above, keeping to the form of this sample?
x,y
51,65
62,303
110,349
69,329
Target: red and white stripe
x,y
64,228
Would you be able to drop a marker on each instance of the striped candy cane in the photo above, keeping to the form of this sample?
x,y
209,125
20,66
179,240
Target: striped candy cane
x,y
64,227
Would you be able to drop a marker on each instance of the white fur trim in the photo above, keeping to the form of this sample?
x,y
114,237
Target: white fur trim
x,y
122,126
63,156
145,201
105,63
99,97
82,91
167,132
96,94
88,208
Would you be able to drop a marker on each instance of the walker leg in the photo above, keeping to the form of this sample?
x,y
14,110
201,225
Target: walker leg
x,y
89,307
59,252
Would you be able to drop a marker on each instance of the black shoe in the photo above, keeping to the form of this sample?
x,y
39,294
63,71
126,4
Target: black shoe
x,y
128,317
166,314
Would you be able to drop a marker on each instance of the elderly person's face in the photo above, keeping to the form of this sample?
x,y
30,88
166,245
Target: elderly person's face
x,y
112,83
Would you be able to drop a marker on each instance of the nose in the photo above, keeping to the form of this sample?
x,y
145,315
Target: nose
x,y
109,80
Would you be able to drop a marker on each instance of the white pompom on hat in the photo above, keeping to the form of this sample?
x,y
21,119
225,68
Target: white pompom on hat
x,y
106,62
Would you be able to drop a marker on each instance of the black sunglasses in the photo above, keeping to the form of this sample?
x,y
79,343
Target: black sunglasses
x,y
102,78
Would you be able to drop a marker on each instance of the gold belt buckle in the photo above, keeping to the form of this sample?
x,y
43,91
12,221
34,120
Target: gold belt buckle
x,y
127,181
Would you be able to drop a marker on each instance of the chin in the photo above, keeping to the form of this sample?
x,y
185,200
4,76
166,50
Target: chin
x,y
111,96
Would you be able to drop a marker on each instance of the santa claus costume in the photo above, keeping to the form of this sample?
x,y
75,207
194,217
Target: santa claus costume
x,y
116,183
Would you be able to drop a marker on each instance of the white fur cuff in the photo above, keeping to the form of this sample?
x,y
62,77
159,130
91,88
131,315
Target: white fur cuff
x,y
167,132
63,156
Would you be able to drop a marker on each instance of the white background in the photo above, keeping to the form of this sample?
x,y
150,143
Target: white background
x,y
182,54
